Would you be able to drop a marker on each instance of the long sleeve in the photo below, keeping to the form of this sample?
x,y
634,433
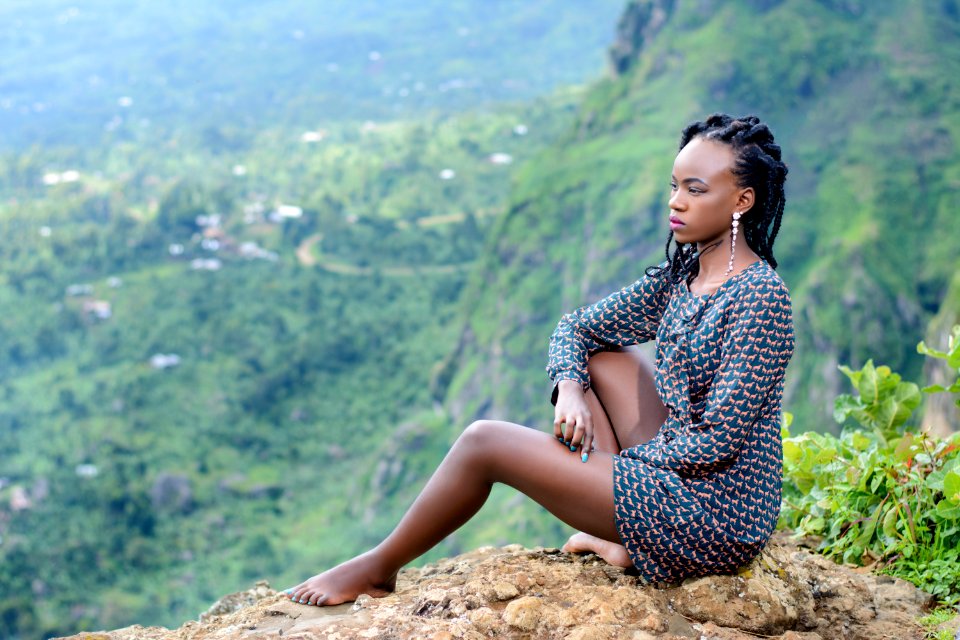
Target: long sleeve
x,y
756,347
629,316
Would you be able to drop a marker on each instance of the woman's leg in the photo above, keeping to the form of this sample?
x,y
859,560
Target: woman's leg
x,y
623,382
580,494
626,411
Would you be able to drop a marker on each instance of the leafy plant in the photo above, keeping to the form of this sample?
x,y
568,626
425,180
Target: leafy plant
x,y
882,493
884,403
952,358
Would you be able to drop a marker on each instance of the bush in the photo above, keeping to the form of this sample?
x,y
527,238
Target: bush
x,y
882,493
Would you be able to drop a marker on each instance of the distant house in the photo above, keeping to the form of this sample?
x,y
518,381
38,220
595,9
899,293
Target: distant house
x,y
19,500
313,136
252,250
164,360
205,264
79,290
53,177
285,212
99,309
86,470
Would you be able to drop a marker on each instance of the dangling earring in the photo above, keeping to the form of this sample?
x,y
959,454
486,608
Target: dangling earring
x,y
733,241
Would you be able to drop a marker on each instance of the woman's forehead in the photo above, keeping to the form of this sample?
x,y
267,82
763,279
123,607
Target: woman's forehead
x,y
705,159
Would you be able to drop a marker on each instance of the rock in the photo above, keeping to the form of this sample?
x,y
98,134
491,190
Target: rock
x,y
787,593
524,613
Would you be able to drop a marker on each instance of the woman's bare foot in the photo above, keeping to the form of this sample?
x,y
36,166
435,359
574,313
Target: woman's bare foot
x,y
345,582
612,552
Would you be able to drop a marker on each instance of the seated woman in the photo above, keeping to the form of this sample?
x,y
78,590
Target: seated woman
x,y
678,473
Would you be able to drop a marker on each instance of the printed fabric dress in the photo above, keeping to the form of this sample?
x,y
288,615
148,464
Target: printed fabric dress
x,y
703,496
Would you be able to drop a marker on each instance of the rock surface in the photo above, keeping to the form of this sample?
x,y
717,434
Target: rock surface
x,y
512,592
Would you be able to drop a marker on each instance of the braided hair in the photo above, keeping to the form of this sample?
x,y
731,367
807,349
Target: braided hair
x,y
757,164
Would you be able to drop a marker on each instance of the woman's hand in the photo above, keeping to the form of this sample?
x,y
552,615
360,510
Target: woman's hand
x,y
572,422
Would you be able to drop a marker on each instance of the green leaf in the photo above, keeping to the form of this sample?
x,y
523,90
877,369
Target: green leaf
x,y
934,388
860,441
890,523
951,486
854,376
843,406
868,383
948,510
792,452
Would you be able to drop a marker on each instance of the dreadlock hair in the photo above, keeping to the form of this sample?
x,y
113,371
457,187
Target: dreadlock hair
x,y
757,164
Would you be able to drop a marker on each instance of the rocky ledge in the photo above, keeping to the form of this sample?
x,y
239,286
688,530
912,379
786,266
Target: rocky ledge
x,y
511,592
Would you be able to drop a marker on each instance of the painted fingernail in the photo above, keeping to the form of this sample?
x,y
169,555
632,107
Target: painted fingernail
x,y
572,448
584,457
288,591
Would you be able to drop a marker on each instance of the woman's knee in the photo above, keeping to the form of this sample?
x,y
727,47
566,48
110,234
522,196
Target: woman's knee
x,y
482,435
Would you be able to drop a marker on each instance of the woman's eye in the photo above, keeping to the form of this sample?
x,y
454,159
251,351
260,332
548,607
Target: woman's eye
x,y
673,187
692,190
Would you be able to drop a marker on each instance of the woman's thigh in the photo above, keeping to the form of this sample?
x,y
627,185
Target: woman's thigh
x,y
539,466
623,381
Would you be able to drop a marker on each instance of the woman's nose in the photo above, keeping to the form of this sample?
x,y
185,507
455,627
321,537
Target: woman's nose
x,y
675,201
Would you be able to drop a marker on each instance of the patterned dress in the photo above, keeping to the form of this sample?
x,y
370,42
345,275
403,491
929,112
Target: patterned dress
x,y
704,495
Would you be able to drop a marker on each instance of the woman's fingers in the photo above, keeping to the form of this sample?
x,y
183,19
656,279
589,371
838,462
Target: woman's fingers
x,y
574,430
583,437
558,420
587,444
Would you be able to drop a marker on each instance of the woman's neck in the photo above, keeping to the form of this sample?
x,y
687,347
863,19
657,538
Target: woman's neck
x,y
714,261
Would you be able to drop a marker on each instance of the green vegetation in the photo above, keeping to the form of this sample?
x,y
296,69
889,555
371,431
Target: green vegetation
x,y
884,492
932,621
219,375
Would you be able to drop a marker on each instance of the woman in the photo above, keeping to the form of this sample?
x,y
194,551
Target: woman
x,y
703,495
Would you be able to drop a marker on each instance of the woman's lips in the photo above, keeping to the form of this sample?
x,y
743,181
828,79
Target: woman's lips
x,y
675,223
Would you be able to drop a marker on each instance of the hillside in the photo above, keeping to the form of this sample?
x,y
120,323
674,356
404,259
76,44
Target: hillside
x,y
858,97
209,356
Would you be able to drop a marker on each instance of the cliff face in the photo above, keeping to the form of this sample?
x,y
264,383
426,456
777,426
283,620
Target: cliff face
x,y
513,592
640,21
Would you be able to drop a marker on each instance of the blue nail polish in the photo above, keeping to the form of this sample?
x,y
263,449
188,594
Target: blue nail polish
x,y
572,448
584,457
288,591
293,598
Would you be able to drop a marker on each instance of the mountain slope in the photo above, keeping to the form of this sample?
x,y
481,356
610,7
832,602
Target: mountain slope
x,y
856,93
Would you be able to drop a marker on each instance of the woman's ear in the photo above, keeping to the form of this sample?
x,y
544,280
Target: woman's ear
x,y
745,200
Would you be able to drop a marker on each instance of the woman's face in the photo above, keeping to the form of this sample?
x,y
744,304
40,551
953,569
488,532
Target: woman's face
x,y
704,193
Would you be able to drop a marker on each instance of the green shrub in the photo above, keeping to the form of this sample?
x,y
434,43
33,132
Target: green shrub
x,y
884,492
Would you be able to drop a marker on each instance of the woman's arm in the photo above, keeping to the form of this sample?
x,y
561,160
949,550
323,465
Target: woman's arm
x,y
629,316
626,317
757,346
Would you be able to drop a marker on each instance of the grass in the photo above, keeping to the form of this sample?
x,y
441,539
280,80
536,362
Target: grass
x,y
933,624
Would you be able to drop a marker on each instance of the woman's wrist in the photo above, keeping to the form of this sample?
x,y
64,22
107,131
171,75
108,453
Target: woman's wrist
x,y
567,386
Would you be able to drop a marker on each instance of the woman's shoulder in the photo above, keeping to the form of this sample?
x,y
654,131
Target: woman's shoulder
x,y
759,283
